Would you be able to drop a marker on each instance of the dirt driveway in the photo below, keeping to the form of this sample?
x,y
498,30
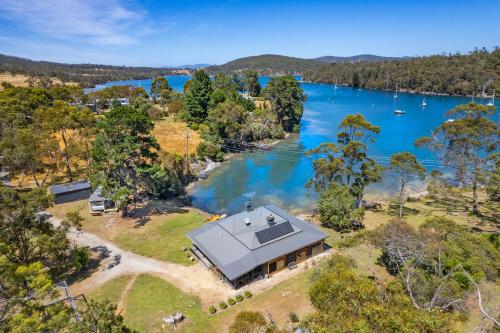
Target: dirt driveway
x,y
194,279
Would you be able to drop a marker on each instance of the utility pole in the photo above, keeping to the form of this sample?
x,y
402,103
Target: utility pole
x,y
187,144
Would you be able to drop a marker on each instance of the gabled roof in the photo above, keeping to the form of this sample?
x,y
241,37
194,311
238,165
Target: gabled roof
x,y
69,187
233,245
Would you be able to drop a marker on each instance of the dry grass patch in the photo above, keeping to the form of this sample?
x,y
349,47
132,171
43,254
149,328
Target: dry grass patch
x,y
19,80
171,136
16,80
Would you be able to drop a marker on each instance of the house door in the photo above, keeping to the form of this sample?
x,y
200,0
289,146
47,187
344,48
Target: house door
x,y
276,265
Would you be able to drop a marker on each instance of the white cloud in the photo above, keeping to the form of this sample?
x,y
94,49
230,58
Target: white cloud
x,y
100,22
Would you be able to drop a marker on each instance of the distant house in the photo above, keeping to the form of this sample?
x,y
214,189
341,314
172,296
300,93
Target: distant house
x,y
255,244
70,191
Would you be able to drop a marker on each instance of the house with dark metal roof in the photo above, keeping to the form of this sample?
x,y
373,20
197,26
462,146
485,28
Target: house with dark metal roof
x,y
70,191
255,244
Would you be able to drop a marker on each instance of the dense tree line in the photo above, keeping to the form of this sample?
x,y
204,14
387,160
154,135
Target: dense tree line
x,y
48,135
226,118
87,75
477,72
34,256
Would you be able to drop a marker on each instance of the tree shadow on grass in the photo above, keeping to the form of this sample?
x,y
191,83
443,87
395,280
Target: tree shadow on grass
x,y
142,213
448,205
393,210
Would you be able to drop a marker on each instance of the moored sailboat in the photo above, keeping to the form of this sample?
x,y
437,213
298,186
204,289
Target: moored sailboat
x,y
492,101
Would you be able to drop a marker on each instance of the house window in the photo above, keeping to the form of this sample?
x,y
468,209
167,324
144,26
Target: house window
x,y
276,265
317,248
280,264
302,255
272,267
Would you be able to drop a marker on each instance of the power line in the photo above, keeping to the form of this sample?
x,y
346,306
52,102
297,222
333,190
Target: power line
x,y
270,157
381,159
302,151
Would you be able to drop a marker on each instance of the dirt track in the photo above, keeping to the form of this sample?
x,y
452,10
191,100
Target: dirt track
x,y
193,279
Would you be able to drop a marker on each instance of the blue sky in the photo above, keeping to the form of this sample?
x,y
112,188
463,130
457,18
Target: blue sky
x,y
159,33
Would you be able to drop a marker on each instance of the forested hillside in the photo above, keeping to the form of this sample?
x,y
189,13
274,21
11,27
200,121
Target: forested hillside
x,y
357,58
86,74
268,64
477,72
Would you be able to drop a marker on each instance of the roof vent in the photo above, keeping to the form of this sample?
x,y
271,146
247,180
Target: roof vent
x,y
270,219
247,221
249,205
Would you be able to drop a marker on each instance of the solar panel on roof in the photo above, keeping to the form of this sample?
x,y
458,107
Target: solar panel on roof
x,y
276,231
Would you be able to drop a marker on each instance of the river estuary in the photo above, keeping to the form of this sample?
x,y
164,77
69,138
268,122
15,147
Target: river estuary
x,y
278,176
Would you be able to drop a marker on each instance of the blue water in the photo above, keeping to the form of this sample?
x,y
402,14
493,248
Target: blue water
x,y
175,81
279,176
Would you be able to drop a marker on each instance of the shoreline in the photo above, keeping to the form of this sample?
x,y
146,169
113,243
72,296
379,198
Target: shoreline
x,y
413,92
211,165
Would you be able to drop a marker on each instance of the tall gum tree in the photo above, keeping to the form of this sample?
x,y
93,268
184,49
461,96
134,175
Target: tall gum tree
x,y
465,144
406,168
346,162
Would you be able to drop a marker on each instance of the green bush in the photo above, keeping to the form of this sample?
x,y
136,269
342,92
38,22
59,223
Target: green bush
x,y
239,298
212,309
248,294
293,317
210,150
222,305
231,301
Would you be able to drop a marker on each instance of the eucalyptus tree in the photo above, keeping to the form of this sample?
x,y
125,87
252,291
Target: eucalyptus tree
x,y
493,188
160,89
63,122
346,301
406,168
465,144
346,162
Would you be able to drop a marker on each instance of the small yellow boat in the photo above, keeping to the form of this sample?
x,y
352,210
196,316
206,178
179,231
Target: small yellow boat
x,y
216,217
213,218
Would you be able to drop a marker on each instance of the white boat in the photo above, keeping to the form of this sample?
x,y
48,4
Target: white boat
x,y
450,120
397,111
492,101
424,102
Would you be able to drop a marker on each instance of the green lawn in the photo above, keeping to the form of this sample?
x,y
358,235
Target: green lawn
x,y
111,290
162,238
149,300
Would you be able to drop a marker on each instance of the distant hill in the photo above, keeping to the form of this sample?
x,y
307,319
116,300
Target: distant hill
x,y
357,58
474,73
87,75
268,63
194,66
